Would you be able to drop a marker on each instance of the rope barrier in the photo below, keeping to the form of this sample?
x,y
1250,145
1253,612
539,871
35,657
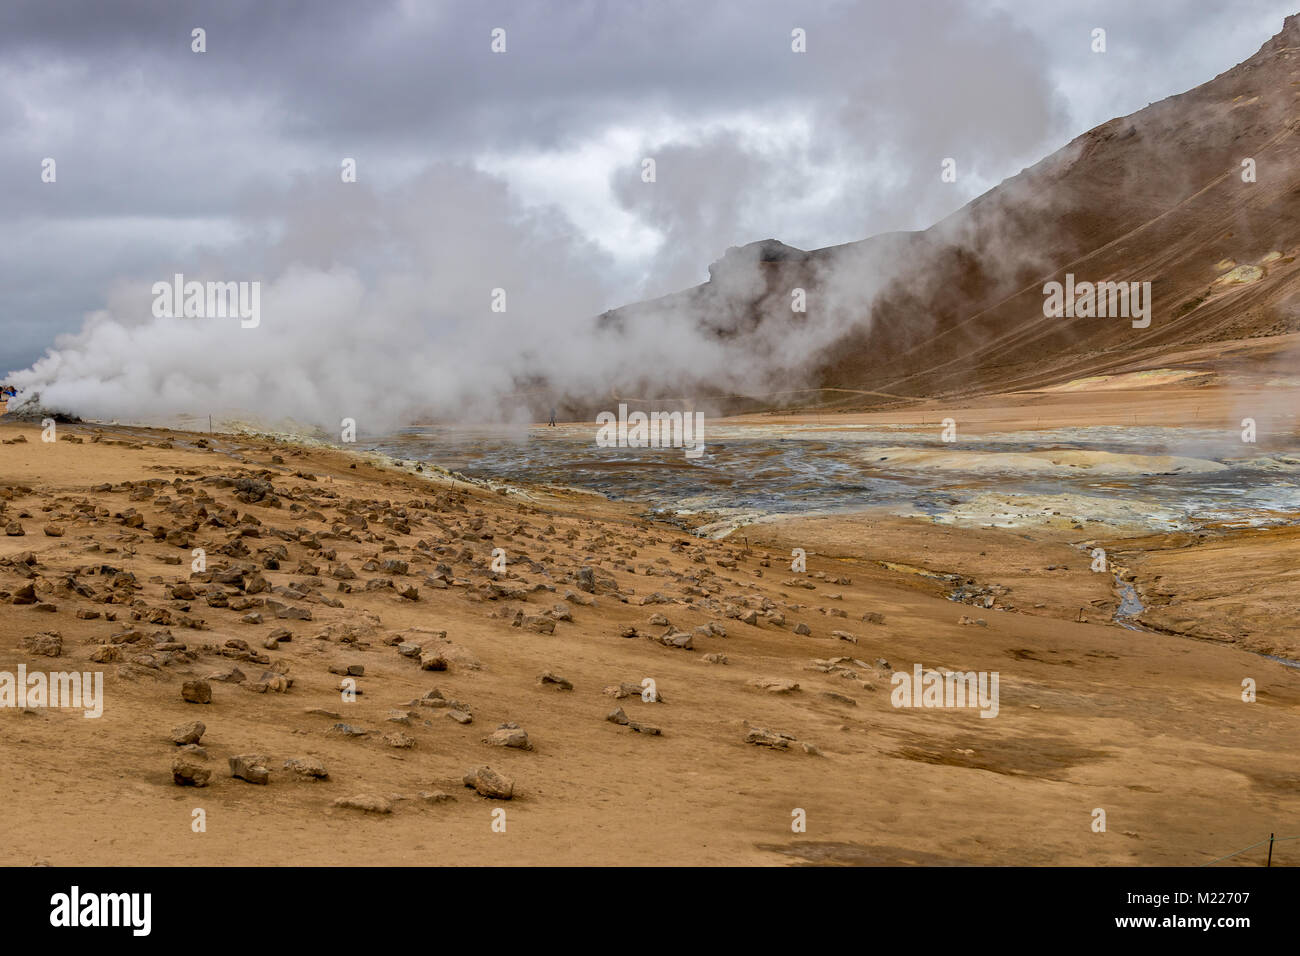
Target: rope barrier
x,y
1251,847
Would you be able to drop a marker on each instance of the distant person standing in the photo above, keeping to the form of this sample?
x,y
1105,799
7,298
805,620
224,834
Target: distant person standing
x,y
551,423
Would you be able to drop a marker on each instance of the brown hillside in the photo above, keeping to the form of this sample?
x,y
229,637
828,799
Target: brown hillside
x,y
1157,196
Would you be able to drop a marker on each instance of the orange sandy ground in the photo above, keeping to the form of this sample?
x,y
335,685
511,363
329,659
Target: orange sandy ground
x,y
1150,727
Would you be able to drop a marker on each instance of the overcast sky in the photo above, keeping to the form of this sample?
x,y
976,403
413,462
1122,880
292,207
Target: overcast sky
x,y
171,160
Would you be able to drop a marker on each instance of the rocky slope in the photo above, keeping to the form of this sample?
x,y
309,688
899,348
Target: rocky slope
x,y
1158,196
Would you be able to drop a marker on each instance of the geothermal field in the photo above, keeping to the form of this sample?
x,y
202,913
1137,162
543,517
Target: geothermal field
x,y
381,532
651,648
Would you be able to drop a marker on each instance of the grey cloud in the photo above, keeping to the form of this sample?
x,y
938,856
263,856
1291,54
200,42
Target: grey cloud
x,y
228,161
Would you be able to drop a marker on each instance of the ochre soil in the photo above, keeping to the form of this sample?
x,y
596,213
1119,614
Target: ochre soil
x,y
1150,727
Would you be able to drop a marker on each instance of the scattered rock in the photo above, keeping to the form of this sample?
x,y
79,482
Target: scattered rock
x,y
44,644
197,692
509,735
769,738
346,730
617,716
307,768
488,783
547,677
227,675
365,802
188,772
250,767
433,662
773,685
188,733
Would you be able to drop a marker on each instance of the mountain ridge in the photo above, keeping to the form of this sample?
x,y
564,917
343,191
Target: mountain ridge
x,y
956,309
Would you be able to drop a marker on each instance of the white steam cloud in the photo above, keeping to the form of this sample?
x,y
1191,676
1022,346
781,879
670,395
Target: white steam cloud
x,y
379,309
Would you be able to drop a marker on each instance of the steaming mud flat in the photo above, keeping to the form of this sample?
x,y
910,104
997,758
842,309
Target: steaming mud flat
x,y
1134,477
1150,726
